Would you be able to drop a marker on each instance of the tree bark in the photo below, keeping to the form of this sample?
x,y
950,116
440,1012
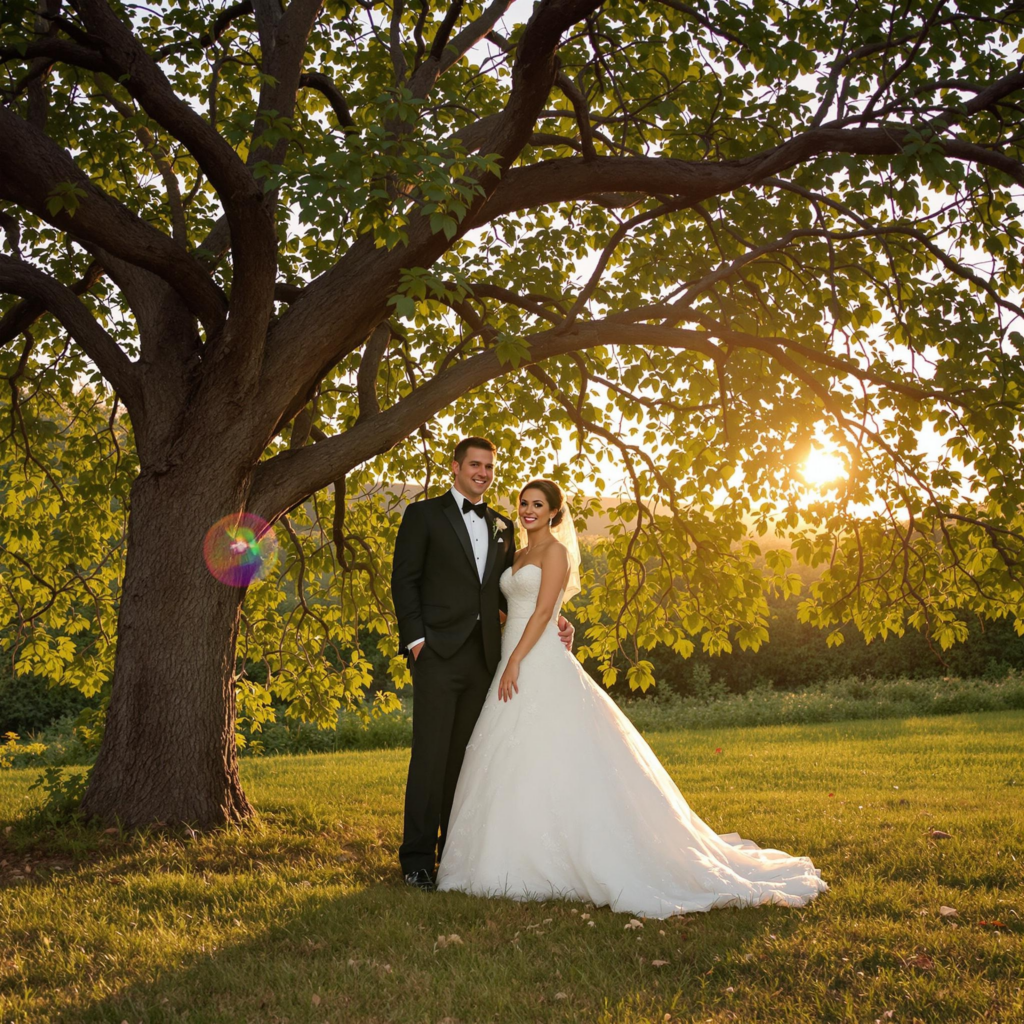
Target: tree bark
x,y
168,752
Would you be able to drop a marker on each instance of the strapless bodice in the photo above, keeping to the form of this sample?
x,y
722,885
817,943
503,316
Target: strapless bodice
x,y
521,589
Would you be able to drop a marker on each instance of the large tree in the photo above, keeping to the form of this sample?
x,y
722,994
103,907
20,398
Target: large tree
x,y
303,246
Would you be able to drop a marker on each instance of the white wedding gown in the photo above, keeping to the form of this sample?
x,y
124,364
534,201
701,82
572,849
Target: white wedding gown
x,y
560,796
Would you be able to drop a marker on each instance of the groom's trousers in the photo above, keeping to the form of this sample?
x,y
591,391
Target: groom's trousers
x,y
448,694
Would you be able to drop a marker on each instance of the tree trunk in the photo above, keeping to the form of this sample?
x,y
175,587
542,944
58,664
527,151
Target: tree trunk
x,y
168,752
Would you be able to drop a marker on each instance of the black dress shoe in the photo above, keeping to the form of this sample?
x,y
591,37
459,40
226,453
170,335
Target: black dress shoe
x,y
420,879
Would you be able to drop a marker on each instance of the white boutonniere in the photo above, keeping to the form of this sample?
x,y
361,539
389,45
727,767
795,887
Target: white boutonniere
x,y
499,527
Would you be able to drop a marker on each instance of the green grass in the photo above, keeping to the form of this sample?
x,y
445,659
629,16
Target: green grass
x,y
300,917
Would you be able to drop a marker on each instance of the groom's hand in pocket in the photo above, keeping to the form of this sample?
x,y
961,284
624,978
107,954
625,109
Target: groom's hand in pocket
x,y
566,632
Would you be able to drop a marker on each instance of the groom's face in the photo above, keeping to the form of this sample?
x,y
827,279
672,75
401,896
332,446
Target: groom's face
x,y
474,474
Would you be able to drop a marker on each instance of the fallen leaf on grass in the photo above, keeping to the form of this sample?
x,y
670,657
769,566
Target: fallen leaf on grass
x,y
110,831
660,963
947,912
991,924
937,833
633,924
315,999
561,995
449,940
920,960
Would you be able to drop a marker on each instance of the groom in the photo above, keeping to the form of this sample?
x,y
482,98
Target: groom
x,y
449,556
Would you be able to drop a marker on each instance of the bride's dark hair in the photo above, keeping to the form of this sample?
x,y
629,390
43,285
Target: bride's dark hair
x,y
553,493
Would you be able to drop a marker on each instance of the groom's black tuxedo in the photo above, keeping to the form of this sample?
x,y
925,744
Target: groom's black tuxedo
x,y
435,584
439,595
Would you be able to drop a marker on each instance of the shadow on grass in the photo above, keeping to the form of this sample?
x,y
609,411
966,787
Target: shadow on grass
x,y
384,953
288,920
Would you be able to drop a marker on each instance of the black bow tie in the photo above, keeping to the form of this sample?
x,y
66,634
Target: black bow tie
x,y
480,509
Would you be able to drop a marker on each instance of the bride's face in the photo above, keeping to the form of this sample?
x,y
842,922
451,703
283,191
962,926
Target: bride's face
x,y
534,511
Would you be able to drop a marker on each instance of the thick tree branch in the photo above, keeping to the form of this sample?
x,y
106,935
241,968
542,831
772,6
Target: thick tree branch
x,y
574,178
54,49
326,87
292,476
38,171
22,315
142,77
284,67
398,61
268,15
21,278
337,310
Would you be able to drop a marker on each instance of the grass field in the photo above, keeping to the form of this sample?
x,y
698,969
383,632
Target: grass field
x,y
301,917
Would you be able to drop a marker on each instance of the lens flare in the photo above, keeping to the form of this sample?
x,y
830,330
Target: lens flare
x,y
239,549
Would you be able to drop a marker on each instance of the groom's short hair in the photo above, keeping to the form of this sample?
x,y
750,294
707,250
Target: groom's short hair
x,y
472,442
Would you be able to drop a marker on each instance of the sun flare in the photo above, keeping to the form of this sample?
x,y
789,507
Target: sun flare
x,y
822,467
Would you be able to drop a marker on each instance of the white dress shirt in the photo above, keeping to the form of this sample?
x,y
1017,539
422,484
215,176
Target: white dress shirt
x,y
477,526
478,530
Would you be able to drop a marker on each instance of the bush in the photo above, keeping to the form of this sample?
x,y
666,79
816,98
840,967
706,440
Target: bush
x,y
290,736
833,701
28,704
55,746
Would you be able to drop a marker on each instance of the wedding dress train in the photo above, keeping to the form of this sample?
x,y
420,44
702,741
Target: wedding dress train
x,y
560,796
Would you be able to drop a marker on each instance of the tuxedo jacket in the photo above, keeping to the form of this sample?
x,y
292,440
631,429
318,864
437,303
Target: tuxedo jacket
x,y
437,591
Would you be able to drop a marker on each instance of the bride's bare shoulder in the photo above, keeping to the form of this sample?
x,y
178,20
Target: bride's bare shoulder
x,y
556,555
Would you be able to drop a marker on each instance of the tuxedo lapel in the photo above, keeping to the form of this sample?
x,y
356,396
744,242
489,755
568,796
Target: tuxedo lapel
x,y
457,518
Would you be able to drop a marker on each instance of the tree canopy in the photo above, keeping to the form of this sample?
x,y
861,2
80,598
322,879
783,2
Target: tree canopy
x,y
303,248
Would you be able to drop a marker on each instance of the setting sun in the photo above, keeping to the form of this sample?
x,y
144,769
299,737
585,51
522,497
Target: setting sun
x,y
822,467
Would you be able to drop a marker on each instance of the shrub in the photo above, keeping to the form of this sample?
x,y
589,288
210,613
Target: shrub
x,y
832,701
289,736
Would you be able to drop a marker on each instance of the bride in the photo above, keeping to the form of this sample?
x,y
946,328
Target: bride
x,y
559,796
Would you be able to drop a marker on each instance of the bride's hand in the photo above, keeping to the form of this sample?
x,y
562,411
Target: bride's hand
x,y
508,684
